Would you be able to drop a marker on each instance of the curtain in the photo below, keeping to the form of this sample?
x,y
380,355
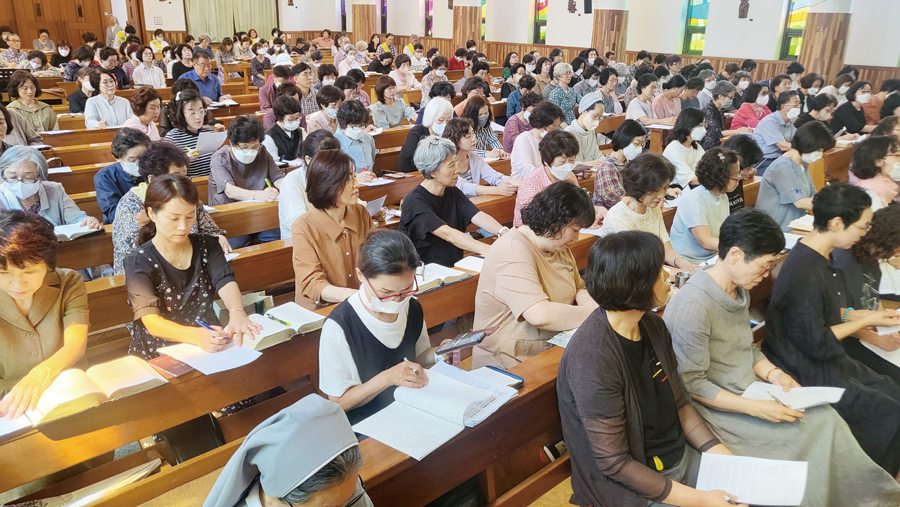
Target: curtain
x,y
221,18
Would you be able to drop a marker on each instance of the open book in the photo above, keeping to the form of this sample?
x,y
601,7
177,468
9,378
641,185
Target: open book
x,y
73,231
281,323
804,223
798,398
223,103
435,275
75,390
421,420
471,262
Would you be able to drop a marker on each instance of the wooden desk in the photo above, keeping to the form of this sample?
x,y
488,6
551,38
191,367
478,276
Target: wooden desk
x,y
165,93
74,137
833,166
658,137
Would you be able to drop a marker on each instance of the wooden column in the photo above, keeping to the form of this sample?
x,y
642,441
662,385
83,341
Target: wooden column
x,y
824,43
364,21
466,25
610,28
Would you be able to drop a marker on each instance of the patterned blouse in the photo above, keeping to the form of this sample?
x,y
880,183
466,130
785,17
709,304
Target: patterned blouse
x,y
715,123
485,140
427,82
511,131
259,67
566,100
608,189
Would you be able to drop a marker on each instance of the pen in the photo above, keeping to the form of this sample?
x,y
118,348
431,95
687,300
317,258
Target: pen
x,y
729,500
783,405
207,326
268,183
413,369
282,322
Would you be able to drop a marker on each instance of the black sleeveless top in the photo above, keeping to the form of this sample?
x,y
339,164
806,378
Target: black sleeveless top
x,y
288,146
371,356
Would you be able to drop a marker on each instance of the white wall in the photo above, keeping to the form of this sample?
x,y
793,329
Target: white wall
x,y
569,29
311,15
509,21
872,39
758,36
405,17
170,14
120,11
442,21
651,26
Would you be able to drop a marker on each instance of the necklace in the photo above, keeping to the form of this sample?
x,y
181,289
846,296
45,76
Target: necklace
x,y
170,255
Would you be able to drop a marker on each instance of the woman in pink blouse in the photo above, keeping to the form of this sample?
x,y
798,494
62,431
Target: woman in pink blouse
x,y
754,107
667,104
518,122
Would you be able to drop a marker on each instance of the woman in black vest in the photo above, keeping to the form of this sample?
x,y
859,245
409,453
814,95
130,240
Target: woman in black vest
x,y
369,342
283,140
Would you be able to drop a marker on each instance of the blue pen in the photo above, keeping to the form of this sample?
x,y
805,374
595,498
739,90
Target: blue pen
x,y
207,326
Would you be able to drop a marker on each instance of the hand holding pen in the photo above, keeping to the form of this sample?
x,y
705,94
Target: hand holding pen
x,y
209,338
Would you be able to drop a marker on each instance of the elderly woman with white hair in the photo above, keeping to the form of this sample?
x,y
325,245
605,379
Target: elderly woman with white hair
x,y
622,83
709,82
564,95
26,187
361,56
436,214
350,61
437,113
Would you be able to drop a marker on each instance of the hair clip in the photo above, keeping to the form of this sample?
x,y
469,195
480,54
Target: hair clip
x,y
722,156
178,96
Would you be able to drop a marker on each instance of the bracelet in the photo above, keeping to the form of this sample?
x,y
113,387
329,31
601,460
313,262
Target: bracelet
x,y
237,310
503,231
770,373
847,312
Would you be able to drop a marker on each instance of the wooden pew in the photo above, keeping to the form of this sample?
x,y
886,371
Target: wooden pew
x,y
165,93
833,166
79,136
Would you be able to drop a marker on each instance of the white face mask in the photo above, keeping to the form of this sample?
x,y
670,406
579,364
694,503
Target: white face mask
x,y
131,168
578,72
813,91
245,156
277,48
328,82
620,79
895,172
743,85
762,100
612,62
160,38
809,158
543,133
87,85
262,51
331,113
795,85
291,126
864,98
793,113
593,83
843,89
353,132
379,306
527,115
438,128
698,133
709,85
37,65
277,84
316,64
529,67
440,72
63,52
591,60
84,64
419,56
562,172
631,151
24,190
727,103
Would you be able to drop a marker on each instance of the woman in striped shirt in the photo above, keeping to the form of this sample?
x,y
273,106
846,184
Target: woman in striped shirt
x,y
478,110
147,74
188,115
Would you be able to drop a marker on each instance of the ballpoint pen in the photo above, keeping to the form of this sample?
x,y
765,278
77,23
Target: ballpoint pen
x,y
207,326
783,405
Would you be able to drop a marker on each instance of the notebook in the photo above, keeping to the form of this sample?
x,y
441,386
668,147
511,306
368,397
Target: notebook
x,y
73,231
74,391
435,275
421,420
804,223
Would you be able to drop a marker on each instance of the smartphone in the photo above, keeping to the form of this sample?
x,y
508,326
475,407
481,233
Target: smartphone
x,y
515,381
469,339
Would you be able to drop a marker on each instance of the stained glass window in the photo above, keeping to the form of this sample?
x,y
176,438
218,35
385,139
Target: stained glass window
x,y
695,28
483,17
429,20
540,21
798,10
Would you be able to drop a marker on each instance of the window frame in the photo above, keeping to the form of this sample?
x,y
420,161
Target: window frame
x,y
689,31
536,36
429,18
790,33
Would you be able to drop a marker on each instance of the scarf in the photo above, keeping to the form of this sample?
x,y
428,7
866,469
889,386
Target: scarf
x,y
882,186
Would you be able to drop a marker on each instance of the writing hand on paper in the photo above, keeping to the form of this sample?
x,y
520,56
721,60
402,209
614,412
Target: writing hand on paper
x,y
370,128
407,374
780,378
716,498
91,223
209,341
26,393
239,325
192,156
773,412
102,124
674,192
365,176
270,194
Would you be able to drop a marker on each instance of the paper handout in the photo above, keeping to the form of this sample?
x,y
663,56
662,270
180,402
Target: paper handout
x,y
798,398
208,142
755,481
209,363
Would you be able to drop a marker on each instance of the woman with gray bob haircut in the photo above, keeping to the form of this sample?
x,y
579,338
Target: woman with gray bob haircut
x,y
436,214
307,454
25,187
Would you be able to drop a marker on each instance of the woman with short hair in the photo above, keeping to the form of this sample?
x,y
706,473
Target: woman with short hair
x,y
645,181
146,104
326,238
722,98
24,89
525,156
627,143
36,63
115,180
44,312
390,109
160,158
563,95
349,61
754,107
633,435
62,55
478,111
517,124
437,114
530,287
558,150
849,117
749,154
438,74
105,109
284,139
435,214
667,104
875,163
472,168
405,79
701,210
329,99
684,150
148,74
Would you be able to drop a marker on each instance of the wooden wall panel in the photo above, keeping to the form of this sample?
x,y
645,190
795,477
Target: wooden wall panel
x,y
365,20
8,14
824,43
64,19
315,34
610,28
466,25
445,46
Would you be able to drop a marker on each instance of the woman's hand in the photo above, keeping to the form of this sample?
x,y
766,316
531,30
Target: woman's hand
x,y
141,218
370,128
91,223
223,242
749,173
887,318
210,341
506,188
102,124
888,342
497,153
848,137
716,498
407,374
772,411
780,378
673,192
218,127
682,263
380,216
745,130
270,194
192,156
365,176
26,393
239,325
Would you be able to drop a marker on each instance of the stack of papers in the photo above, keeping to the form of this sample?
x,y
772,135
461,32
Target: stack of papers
x,y
223,103
595,232
209,363
891,357
471,263
59,170
798,398
754,481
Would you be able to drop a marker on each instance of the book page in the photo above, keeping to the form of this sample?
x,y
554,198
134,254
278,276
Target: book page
x,y
7,427
501,393
471,263
69,232
377,182
798,398
68,386
449,399
408,430
209,363
269,328
295,315
754,481
128,371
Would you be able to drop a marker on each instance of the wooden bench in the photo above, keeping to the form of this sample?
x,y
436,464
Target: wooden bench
x,y
833,166
75,137
166,93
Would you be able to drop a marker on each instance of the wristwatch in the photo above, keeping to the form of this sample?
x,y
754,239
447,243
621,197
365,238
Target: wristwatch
x,y
503,231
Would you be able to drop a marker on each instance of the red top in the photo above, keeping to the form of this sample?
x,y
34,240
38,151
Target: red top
x,y
456,64
746,116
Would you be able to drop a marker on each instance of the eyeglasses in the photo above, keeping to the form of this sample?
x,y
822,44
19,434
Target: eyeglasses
x,y
195,112
768,268
23,180
400,295
865,228
353,501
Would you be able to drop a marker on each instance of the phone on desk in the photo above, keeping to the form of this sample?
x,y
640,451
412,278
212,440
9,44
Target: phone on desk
x,y
469,339
514,381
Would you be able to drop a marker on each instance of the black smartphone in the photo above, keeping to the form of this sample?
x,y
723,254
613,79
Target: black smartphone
x,y
469,339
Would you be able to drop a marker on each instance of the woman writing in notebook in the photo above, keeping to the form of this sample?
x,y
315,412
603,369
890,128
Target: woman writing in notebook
x,y
376,339
43,312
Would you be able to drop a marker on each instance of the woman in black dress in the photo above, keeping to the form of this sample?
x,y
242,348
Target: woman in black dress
x,y
173,276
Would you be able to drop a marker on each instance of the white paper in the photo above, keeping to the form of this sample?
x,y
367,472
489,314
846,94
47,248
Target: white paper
x,y
209,209
208,142
68,232
232,256
393,213
709,262
496,127
7,427
798,398
891,357
59,170
804,223
209,363
673,203
754,481
471,263
223,103
594,232
449,399
661,127
790,240
376,182
408,430
376,131
887,330
491,159
502,393
373,207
